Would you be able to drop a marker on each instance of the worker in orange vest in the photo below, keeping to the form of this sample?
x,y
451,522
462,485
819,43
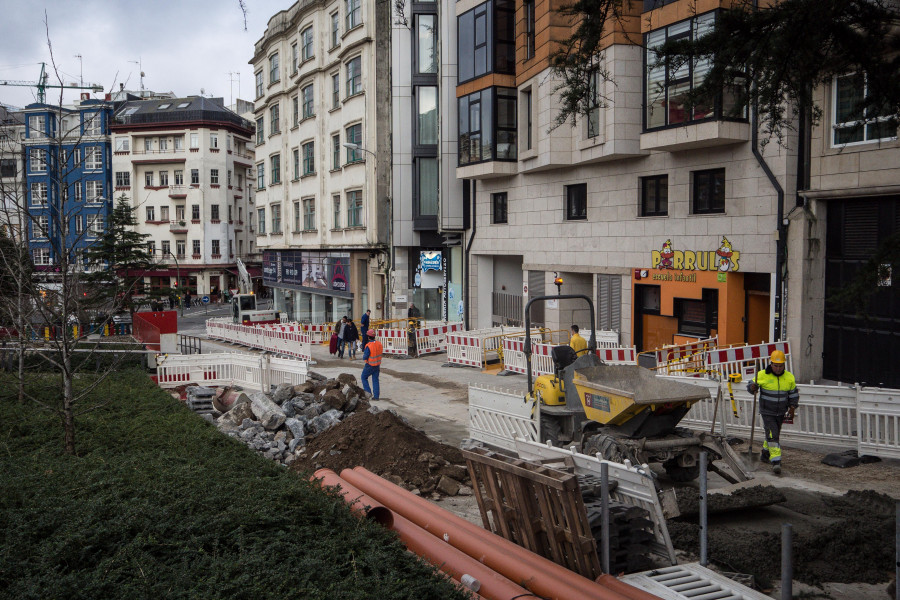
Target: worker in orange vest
x,y
372,357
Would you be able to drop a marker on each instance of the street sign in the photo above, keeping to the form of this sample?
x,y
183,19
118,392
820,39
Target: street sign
x,y
205,299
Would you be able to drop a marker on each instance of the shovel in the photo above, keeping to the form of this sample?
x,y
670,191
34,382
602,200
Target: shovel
x,y
752,422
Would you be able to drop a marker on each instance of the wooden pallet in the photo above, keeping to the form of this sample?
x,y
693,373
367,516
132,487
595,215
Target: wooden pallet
x,y
534,506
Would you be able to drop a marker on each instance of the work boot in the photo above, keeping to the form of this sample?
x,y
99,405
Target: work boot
x,y
776,468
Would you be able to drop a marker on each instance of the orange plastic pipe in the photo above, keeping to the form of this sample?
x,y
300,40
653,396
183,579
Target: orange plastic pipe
x,y
626,589
538,574
361,504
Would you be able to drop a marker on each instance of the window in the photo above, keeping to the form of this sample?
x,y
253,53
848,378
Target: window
x,y
163,178
179,143
93,123
261,216
309,158
498,208
260,176
195,176
94,191
259,84
37,125
593,117
179,248
296,163
151,248
179,213
309,214
852,121
427,103
482,136
295,106
306,37
274,75
655,196
79,224
335,29
709,192
529,29
298,217
213,140
93,158
151,213
195,212
336,202
165,247
260,131
668,82
37,160
164,144
336,152
308,108
213,177
354,16
354,136
123,178
214,212
276,168
354,77
41,256
148,179
39,194
428,185
77,189
276,218
95,225
274,125
295,58
354,208
164,213
195,247
195,140
576,202
179,177
335,90
228,178
41,227
526,109
229,214
426,48
216,251
486,40
123,144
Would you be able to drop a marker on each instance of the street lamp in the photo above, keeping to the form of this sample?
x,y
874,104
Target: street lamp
x,y
177,278
352,146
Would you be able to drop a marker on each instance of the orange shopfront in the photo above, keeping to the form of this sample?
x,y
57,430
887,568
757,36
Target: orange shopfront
x,y
690,295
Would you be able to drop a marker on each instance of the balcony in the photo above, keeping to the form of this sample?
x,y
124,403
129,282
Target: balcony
x,y
178,227
177,191
704,134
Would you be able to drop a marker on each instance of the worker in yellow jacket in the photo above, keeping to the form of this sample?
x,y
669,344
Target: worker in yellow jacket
x,y
576,342
778,396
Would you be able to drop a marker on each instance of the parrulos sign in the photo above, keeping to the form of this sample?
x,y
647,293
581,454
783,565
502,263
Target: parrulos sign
x,y
724,258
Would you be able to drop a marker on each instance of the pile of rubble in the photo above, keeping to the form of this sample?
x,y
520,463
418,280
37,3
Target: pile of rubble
x,y
279,423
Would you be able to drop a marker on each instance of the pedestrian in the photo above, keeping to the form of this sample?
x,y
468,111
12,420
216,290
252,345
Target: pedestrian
x,y
412,319
171,301
778,396
351,338
372,368
576,342
342,329
187,298
364,326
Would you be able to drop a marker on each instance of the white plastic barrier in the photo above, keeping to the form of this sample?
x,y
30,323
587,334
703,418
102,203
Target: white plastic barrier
x,y
474,348
281,338
226,368
879,422
319,333
745,360
606,338
393,341
433,338
684,358
499,416
618,356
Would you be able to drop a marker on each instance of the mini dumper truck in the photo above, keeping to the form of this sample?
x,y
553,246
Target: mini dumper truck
x,y
623,412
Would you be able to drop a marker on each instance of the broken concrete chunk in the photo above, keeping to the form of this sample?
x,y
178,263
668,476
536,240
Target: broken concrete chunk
x,y
296,428
269,414
283,393
448,486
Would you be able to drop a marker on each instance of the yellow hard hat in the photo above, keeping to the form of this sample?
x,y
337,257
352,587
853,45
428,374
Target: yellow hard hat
x,y
777,357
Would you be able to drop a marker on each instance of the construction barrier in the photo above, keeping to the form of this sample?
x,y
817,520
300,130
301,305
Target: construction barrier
x,y
393,341
878,419
474,348
255,371
433,337
618,356
606,338
499,416
319,333
685,359
282,338
746,360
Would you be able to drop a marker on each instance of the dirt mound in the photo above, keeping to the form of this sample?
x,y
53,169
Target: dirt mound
x,y
387,446
842,539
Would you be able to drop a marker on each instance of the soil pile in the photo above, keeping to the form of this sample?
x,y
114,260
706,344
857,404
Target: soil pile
x,y
384,444
842,539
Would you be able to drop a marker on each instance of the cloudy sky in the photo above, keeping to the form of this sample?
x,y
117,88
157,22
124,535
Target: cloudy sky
x,y
182,45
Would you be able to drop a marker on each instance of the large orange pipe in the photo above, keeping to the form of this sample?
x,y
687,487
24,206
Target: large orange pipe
x,y
538,574
361,504
626,589
448,559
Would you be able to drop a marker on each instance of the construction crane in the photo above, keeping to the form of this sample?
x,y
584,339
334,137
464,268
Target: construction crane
x,y
42,84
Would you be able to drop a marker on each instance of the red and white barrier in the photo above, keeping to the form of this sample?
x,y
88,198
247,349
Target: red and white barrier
x,y
434,338
393,341
319,333
688,360
746,360
618,356
281,338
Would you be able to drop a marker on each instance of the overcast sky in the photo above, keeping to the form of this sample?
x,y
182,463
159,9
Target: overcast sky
x,y
182,45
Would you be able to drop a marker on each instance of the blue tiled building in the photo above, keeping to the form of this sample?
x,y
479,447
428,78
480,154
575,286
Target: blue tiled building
x,y
68,179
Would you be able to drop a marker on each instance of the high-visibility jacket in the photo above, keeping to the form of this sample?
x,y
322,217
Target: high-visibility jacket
x,y
577,343
374,350
776,392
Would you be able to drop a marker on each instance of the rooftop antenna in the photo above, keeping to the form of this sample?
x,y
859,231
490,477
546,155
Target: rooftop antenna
x,y
80,70
141,67
231,78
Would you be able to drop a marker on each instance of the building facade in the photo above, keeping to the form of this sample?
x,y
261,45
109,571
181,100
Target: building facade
x,y
322,170
67,180
185,165
12,171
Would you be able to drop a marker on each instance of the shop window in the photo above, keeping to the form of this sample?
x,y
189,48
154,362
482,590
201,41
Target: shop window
x,y
708,192
698,318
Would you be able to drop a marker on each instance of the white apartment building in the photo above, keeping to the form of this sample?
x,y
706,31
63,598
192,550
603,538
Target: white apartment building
x,y
12,170
185,164
321,73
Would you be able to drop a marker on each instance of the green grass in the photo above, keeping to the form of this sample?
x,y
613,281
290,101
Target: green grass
x,y
160,505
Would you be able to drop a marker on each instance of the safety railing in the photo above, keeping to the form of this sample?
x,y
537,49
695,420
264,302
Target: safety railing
x,y
499,416
683,359
282,338
433,338
476,347
259,372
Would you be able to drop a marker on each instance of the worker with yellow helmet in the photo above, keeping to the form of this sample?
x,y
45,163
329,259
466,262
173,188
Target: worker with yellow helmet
x,y
778,396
